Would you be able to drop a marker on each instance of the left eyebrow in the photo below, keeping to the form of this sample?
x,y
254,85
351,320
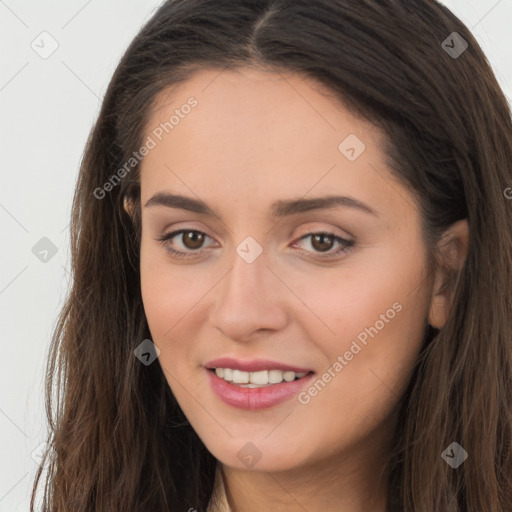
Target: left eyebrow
x,y
282,208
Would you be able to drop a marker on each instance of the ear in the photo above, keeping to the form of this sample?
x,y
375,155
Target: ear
x,y
453,248
128,206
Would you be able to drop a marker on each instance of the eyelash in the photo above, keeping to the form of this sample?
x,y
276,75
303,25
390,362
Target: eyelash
x,y
347,244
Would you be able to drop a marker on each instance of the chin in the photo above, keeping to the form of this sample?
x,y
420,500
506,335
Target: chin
x,y
259,454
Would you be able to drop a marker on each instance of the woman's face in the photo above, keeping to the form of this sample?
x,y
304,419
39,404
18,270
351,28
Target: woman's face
x,y
261,151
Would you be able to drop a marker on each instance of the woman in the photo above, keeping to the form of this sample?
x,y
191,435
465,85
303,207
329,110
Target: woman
x,y
291,253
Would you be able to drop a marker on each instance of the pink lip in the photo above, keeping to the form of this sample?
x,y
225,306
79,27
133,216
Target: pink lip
x,y
254,399
254,366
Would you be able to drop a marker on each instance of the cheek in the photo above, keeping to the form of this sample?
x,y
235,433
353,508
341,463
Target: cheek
x,y
384,290
167,296
372,317
164,296
173,297
377,317
168,290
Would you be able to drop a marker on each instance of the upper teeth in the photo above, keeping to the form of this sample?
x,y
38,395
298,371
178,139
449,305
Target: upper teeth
x,y
261,378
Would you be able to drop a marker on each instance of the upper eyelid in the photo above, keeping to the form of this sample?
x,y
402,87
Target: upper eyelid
x,y
314,230
315,218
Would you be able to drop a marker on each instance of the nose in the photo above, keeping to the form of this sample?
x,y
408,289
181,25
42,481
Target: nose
x,y
250,298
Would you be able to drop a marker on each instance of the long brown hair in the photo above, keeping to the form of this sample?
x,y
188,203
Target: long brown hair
x,y
118,439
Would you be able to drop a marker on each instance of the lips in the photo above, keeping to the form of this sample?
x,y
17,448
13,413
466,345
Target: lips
x,y
255,398
255,365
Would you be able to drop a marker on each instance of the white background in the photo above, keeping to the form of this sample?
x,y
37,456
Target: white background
x,y
48,107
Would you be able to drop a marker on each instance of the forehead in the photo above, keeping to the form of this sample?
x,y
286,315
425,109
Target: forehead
x,y
258,136
251,105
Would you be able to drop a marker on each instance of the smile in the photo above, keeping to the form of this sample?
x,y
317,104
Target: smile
x,y
257,379
257,384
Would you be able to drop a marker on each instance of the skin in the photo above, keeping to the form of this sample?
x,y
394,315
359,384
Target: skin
x,y
254,138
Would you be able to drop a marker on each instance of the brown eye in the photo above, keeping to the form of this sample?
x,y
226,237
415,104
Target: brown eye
x,y
322,241
188,245
192,239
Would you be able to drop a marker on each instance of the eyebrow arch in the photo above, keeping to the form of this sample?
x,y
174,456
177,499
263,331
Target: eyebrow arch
x,y
282,208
